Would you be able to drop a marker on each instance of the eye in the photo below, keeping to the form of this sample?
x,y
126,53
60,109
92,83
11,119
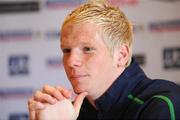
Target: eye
x,y
88,49
66,50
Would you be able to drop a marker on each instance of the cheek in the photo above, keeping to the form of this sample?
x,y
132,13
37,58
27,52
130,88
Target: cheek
x,y
96,64
103,64
95,61
65,65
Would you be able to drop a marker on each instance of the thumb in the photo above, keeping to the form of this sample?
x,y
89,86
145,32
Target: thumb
x,y
78,101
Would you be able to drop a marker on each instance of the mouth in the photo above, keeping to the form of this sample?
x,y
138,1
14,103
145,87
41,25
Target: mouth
x,y
78,77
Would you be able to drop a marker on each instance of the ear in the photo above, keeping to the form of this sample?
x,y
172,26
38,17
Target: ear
x,y
123,55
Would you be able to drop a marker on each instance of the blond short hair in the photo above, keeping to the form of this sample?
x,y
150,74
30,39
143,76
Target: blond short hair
x,y
116,28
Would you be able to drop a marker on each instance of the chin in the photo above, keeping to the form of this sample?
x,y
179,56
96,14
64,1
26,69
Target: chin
x,y
78,90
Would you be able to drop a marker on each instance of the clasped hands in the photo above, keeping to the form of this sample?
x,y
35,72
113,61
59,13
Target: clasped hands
x,y
54,103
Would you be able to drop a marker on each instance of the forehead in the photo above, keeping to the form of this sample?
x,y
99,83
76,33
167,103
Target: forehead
x,y
83,33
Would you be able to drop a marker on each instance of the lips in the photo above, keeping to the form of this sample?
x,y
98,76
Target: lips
x,y
78,77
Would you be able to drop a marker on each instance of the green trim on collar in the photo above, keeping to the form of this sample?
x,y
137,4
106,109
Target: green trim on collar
x,y
135,99
164,98
169,103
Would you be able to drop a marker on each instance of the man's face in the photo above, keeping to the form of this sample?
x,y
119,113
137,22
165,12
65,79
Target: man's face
x,y
87,60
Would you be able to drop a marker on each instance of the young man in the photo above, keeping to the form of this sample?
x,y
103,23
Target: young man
x,y
96,40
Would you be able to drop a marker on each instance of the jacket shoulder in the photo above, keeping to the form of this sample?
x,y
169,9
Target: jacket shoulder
x,y
160,107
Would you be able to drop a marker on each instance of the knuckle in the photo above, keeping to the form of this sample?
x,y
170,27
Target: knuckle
x,y
46,87
59,88
30,101
47,96
37,94
31,105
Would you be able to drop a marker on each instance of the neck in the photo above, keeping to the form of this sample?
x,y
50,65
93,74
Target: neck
x,y
91,98
92,101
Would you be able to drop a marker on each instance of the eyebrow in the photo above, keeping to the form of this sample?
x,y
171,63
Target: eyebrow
x,y
82,43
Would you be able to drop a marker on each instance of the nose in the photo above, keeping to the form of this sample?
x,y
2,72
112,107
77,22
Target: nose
x,y
74,59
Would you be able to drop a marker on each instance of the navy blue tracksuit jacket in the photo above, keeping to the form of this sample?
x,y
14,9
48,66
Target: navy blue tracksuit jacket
x,y
133,96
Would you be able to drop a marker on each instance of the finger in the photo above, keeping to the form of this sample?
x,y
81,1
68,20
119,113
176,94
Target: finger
x,y
78,101
43,97
32,113
53,92
32,107
66,93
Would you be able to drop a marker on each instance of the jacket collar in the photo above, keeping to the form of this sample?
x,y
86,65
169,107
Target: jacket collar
x,y
116,95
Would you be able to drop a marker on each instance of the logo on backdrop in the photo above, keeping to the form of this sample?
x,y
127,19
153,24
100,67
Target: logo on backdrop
x,y
168,1
18,6
140,58
53,4
123,2
13,35
137,28
18,116
15,93
52,35
54,62
18,65
171,58
165,26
